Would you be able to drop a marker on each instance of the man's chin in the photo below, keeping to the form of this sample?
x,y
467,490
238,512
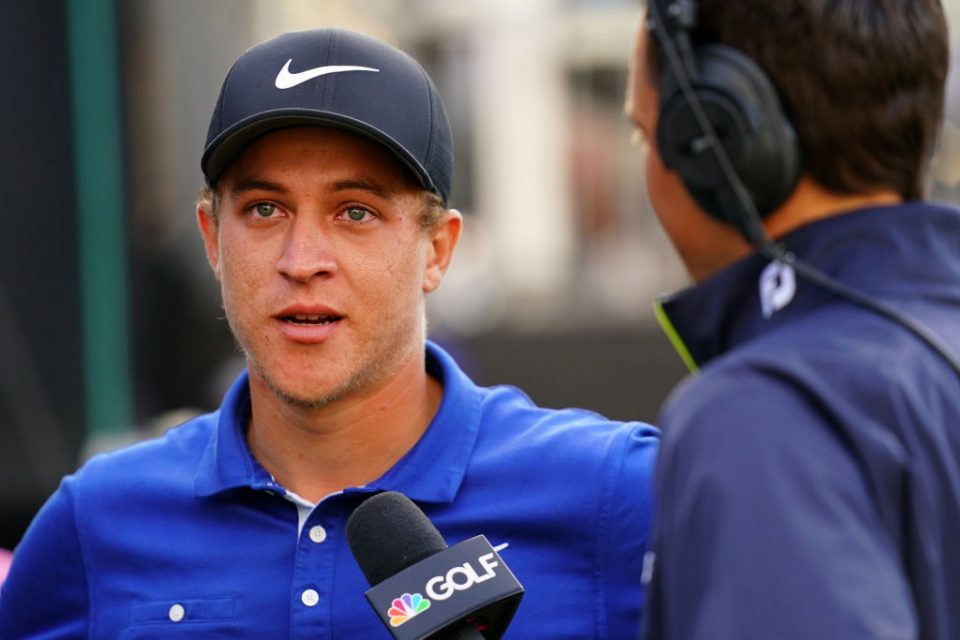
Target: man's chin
x,y
296,391
310,397
308,403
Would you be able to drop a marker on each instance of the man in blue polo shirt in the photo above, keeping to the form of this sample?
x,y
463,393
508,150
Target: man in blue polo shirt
x,y
809,482
328,166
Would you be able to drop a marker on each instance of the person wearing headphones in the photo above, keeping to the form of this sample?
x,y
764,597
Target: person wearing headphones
x,y
809,478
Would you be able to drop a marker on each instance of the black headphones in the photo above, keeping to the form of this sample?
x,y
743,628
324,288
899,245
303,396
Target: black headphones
x,y
745,114
722,129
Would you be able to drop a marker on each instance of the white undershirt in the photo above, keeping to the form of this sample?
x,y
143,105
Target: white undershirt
x,y
304,507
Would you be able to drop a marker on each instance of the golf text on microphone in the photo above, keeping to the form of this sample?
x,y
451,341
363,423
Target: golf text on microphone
x,y
465,580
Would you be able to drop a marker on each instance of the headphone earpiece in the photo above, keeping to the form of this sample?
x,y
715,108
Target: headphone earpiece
x,y
744,109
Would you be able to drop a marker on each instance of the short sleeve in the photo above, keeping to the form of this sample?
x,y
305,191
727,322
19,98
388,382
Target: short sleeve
x,y
766,526
626,528
45,594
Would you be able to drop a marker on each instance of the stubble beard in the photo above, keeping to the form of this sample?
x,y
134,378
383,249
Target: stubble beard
x,y
376,366
358,380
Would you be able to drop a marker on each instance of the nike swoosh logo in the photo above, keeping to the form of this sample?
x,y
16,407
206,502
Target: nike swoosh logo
x,y
286,80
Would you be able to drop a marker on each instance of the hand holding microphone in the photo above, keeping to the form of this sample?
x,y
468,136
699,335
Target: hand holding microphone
x,y
420,588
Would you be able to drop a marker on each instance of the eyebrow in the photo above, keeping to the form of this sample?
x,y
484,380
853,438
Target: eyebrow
x,y
361,184
256,184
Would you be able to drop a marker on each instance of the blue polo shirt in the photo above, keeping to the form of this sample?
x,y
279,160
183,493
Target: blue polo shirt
x,y
187,536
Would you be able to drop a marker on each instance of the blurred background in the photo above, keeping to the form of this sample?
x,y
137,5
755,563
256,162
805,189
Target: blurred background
x,y
110,323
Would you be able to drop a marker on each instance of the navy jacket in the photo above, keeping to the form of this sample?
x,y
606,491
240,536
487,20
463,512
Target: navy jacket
x,y
809,482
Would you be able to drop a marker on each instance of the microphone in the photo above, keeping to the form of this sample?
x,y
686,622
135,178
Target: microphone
x,y
420,588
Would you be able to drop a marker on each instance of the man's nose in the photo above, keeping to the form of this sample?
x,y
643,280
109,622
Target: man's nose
x,y
307,252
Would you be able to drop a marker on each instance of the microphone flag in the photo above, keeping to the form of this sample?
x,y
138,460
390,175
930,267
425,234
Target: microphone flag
x,y
466,581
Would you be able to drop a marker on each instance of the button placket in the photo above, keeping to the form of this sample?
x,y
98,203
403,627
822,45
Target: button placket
x,y
320,546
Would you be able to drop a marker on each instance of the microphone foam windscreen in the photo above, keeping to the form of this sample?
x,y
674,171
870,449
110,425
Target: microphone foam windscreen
x,y
388,533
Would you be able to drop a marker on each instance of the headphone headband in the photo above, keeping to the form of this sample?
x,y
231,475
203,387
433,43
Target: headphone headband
x,y
721,126
675,15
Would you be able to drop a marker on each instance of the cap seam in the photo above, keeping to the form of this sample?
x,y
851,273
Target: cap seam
x,y
326,83
428,155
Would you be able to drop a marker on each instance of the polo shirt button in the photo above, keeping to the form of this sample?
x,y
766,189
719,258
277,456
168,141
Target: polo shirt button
x,y
318,534
176,613
310,598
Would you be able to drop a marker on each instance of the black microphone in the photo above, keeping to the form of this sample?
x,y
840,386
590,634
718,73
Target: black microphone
x,y
420,588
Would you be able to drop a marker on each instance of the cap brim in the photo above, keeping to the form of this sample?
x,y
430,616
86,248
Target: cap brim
x,y
225,148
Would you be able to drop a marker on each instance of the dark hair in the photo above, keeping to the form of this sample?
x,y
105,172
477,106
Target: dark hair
x,y
862,81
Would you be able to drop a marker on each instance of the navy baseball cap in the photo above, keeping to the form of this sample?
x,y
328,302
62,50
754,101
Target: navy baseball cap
x,y
336,78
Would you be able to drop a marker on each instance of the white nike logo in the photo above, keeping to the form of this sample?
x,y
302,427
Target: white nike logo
x,y
285,79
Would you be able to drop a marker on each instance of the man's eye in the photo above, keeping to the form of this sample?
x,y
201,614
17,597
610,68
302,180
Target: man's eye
x,y
358,214
265,209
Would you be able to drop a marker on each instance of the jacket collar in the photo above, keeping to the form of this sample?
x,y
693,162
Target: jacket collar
x,y
432,471
903,251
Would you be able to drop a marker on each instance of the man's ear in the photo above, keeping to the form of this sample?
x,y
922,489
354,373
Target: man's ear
x,y
211,239
443,239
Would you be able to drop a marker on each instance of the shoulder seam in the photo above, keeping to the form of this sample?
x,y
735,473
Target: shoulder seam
x,y
604,509
87,567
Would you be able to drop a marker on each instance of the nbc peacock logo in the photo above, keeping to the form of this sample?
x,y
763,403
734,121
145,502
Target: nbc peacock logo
x,y
405,607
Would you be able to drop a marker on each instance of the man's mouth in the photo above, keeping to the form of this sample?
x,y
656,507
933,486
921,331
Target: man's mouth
x,y
307,320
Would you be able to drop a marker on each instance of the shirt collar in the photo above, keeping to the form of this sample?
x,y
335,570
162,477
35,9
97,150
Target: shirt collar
x,y
432,471
227,462
727,309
